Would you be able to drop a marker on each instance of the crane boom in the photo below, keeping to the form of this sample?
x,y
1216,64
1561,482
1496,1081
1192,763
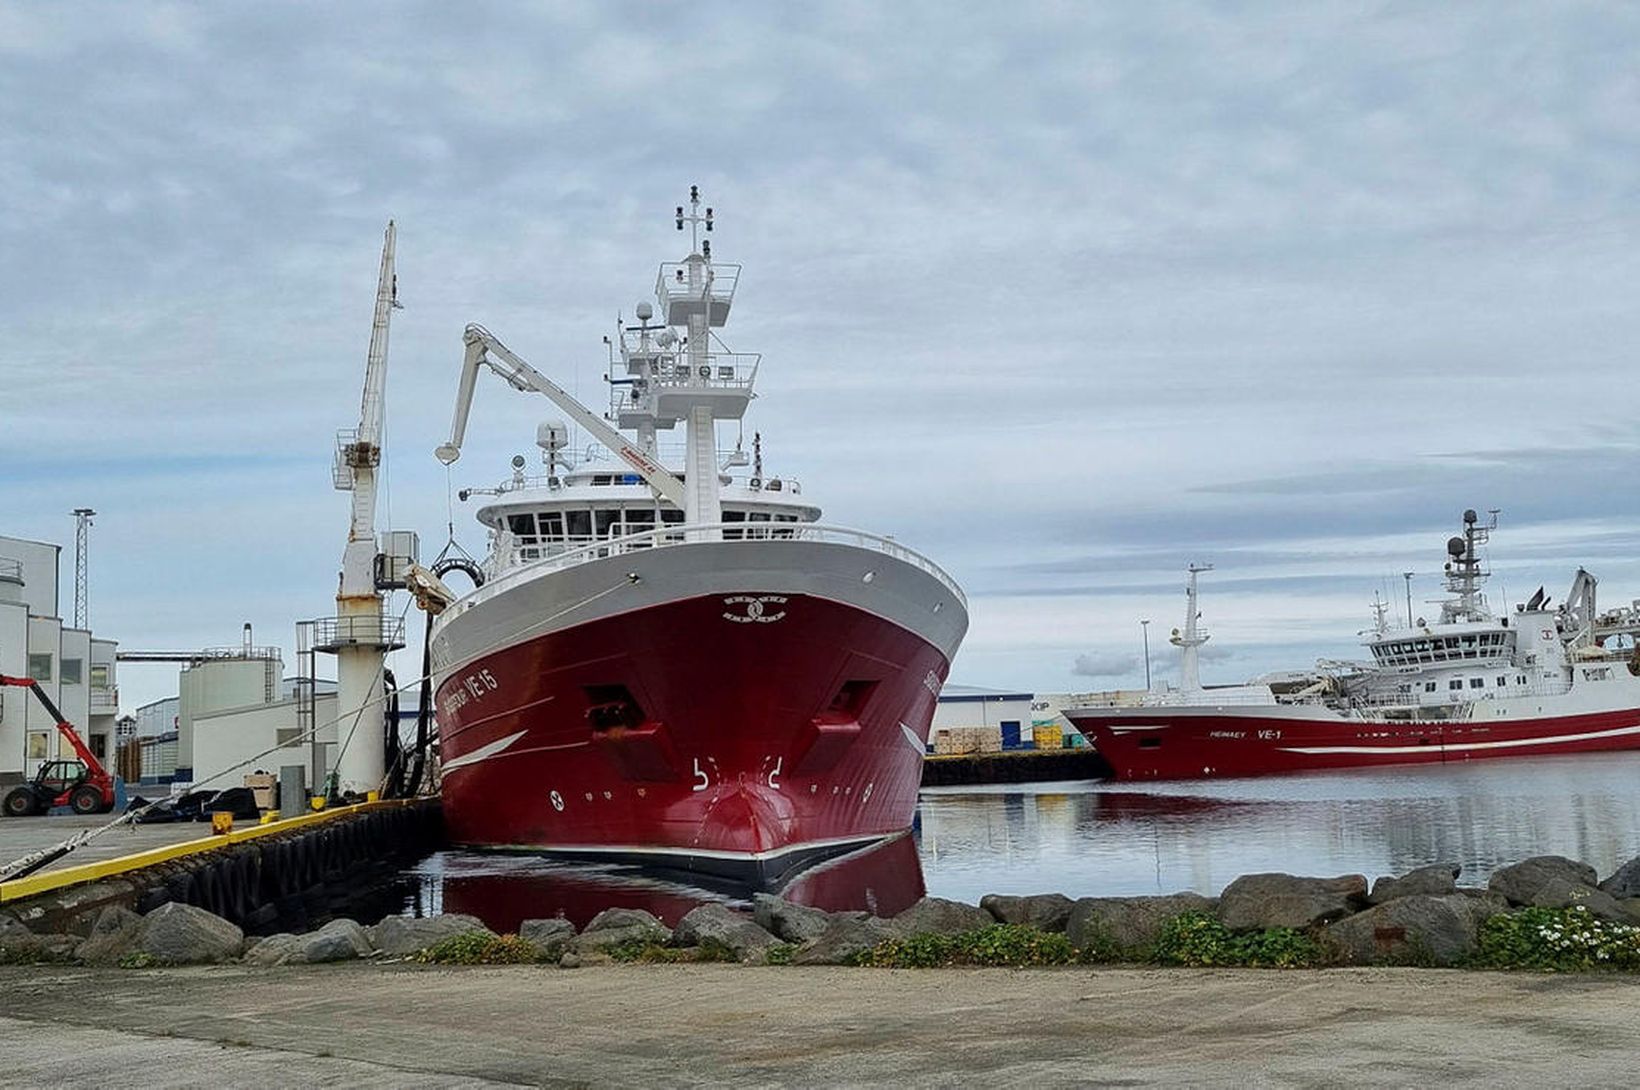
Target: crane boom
x,y
484,349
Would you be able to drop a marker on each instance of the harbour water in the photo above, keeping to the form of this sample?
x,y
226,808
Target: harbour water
x,y
1093,838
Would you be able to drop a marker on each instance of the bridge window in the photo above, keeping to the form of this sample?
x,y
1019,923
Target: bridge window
x,y
578,523
606,520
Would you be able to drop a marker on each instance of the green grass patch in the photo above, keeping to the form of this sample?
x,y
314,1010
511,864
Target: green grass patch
x,y
1002,945
1199,939
479,948
649,952
1558,940
780,953
138,959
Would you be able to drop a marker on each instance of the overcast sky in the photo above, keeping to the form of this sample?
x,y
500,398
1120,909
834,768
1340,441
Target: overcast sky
x,y
1065,296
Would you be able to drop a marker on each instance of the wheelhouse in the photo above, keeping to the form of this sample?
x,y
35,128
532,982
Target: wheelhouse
x,y
537,519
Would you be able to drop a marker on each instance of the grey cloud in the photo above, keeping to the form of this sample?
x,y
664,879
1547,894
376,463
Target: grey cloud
x,y
1106,665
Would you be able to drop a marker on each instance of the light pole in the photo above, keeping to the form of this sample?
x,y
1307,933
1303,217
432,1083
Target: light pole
x,y
1408,577
1144,626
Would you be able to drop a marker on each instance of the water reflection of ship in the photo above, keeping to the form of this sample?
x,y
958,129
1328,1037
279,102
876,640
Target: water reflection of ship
x,y
504,890
1101,841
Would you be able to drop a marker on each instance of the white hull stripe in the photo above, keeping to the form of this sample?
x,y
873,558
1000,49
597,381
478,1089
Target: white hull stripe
x,y
488,749
700,853
911,740
1511,743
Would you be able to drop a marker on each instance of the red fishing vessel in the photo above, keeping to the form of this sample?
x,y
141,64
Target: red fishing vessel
x,y
1469,686
672,661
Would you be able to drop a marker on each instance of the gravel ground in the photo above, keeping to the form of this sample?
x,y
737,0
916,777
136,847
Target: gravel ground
x,y
401,1025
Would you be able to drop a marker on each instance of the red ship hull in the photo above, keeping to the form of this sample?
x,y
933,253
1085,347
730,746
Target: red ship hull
x,y
680,737
1172,744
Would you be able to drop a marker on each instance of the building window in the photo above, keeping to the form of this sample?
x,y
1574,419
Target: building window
x,y
99,675
1502,681
1429,686
1477,682
1455,683
286,736
36,745
73,671
99,746
39,667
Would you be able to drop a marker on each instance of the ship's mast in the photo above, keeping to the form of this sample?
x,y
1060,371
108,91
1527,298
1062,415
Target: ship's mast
x,y
674,374
1190,640
1464,573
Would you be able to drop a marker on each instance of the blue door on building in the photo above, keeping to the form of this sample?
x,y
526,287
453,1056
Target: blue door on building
x,y
1010,734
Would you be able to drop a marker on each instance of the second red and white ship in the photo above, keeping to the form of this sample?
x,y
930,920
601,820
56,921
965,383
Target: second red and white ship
x,y
679,665
1470,686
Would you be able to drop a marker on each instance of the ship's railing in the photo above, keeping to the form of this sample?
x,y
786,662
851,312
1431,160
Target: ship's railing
x,y
1448,698
1194,698
507,554
733,369
672,282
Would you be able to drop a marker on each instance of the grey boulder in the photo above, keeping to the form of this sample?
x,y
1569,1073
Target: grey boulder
x,y
1418,928
1625,881
1043,911
20,945
180,934
620,926
846,937
1436,880
551,937
938,916
1522,881
1257,901
1559,893
713,923
1127,923
792,923
116,932
338,940
273,950
398,936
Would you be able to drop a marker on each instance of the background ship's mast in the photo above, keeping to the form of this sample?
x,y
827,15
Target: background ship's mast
x,y
1464,574
1190,640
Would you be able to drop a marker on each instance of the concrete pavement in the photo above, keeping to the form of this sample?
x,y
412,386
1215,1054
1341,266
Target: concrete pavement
x,y
19,836
705,1024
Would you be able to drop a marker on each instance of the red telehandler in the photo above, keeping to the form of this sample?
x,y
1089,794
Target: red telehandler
x,y
84,786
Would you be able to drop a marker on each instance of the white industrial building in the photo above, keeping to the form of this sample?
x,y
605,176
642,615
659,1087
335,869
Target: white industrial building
x,y
232,704
969,719
76,669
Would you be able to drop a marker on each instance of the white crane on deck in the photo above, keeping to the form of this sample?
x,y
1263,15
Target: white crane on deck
x,y
484,349
357,635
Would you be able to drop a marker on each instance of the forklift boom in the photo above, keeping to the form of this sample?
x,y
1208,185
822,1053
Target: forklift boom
x,y
97,773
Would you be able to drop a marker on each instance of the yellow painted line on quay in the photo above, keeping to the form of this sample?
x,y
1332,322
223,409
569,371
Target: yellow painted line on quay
x,y
45,882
